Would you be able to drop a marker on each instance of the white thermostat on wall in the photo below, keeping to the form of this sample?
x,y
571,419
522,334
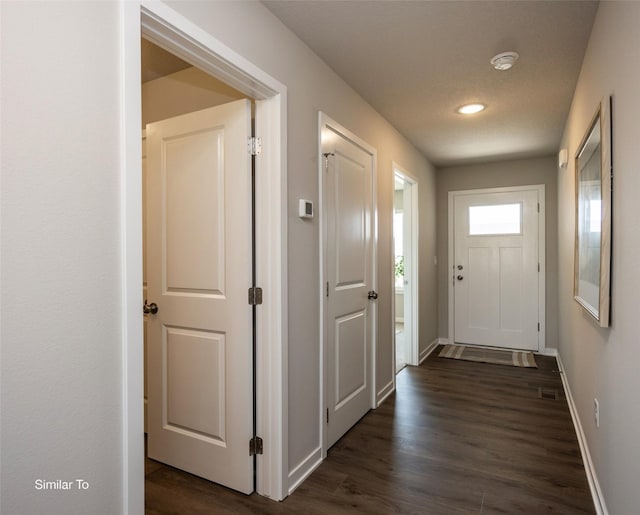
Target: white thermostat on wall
x,y
305,208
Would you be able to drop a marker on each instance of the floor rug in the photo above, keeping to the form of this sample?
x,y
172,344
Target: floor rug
x,y
498,357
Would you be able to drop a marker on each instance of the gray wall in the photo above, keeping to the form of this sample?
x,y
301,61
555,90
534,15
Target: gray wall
x,y
603,363
313,86
496,175
63,350
61,310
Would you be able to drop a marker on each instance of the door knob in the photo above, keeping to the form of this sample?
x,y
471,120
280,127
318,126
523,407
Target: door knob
x,y
460,278
460,267
149,308
372,295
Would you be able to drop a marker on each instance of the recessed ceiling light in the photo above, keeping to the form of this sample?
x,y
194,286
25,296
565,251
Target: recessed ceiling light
x,y
504,61
471,108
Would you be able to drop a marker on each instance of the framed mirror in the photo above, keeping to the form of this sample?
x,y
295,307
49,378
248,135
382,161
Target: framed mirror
x,y
594,175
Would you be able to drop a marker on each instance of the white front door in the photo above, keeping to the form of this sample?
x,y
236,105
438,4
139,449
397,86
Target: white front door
x,y
496,269
199,254
349,259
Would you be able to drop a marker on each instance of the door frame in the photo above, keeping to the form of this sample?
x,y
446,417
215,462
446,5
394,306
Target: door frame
x,y
325,121
413,266
171,31
539,188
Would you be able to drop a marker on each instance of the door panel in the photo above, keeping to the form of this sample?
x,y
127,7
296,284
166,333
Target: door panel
x,y
351,357
478,283
351,223
194,364
198,270
195,237
511,277
496,269
349,329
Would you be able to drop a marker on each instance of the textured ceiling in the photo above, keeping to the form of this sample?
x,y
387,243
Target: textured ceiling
x,y
417,61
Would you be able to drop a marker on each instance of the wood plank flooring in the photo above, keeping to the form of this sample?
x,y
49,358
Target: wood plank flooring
x,y
456,438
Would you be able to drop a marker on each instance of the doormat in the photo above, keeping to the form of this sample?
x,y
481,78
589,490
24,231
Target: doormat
x,y
497,357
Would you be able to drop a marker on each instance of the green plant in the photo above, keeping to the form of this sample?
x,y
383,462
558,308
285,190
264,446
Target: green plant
x,y
399,266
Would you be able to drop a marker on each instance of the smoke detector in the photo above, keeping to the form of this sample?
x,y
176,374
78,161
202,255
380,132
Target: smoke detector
x,y
504,61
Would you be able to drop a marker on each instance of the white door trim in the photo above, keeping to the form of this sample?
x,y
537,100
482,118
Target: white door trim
x,y
414,272
325,121
541,254
172,31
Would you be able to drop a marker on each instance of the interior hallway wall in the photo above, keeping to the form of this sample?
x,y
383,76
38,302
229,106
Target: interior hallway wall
x,y
61,264
254,32
63,348
497,175
603,363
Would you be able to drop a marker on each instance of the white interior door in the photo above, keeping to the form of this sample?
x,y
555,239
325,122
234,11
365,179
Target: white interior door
x,y
496,269
349,255
144,273
198,273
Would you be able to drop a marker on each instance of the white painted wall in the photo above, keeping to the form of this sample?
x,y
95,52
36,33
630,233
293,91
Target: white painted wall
x,y
62,341
603,363
61,257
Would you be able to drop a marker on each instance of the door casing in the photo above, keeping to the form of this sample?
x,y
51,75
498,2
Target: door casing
x,y
541,254
412,265
170,30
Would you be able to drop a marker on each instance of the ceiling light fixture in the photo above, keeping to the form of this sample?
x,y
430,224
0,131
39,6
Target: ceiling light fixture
x,y
471,108
504,61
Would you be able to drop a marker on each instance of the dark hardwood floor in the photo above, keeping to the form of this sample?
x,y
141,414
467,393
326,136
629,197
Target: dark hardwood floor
x,y
456,437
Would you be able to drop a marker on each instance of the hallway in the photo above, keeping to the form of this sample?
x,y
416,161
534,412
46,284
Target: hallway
x,y
457,437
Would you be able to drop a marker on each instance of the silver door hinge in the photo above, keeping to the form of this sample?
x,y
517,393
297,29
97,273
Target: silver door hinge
x,y
255,446
327,415
255,296
538,207
255,146
538,326
538,267
327,288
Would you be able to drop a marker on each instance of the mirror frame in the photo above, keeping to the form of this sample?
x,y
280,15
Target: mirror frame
x,y
586,189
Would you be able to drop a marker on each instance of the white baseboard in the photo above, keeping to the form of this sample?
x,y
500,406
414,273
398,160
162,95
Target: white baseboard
x,y
549,351
304,469
430,348
386,390
594,485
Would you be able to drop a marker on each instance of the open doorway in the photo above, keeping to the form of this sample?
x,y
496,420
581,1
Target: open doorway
x,y
405,234
169,30
170,87
197,219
